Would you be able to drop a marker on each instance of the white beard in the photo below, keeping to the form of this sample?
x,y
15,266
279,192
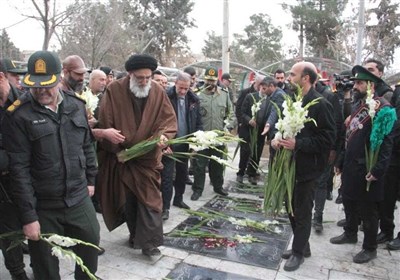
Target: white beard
x,y
139,92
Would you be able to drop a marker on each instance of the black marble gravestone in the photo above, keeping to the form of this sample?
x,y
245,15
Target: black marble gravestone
x,y
189,272
265,253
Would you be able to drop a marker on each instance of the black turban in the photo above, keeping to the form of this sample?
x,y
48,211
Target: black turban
x,y
141,61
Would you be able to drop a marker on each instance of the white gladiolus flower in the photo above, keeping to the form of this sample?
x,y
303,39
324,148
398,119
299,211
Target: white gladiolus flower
x,y
244,239
371,103
61,240
56,251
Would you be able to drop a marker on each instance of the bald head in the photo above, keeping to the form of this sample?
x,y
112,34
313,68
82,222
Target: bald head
x,y
97,81
303,74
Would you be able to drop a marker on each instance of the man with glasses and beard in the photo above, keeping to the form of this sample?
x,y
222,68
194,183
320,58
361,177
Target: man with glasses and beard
x,y
130,191
74,70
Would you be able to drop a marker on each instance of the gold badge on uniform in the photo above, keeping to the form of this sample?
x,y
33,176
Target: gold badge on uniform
x,y
211,72
40,66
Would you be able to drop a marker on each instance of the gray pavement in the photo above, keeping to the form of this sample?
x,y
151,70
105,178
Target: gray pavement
x,y
328,261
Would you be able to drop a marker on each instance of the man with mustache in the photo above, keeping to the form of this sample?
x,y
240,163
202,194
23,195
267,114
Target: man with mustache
x,y
138,108
215,111
52,166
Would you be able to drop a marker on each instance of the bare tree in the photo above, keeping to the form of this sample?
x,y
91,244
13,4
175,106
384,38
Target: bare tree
x,y
48,14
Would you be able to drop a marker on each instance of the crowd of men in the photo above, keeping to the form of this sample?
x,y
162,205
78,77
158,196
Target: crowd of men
x,y
60,140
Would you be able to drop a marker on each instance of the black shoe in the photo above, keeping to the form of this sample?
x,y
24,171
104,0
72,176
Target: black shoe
x,y
188,181
165,214
293,262
239,179
181,204
318,227
394,244
341,223
131,240
383,237
195,196
329,196
221,191
101,251
364,256
151,252
286,255
253,180
317,224
20,276
339,199
343,239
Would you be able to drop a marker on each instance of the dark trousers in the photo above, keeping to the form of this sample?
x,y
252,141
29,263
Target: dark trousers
x,y
215,170
321,191
77,222
248,160
386,207
244,152
368,212
167,177
302,203
254,162
144,223
13,259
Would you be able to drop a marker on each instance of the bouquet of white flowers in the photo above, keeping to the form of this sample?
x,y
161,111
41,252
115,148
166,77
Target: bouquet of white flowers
x,y
254,131
281,175
59,247
197,141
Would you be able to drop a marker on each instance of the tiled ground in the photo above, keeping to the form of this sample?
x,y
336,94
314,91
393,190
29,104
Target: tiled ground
x,y
328,261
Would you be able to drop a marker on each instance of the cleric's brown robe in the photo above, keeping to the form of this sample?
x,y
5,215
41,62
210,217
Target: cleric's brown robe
x,y
142,175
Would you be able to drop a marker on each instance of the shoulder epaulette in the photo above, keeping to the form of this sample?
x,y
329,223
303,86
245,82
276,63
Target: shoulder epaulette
x,y
74,95
17,103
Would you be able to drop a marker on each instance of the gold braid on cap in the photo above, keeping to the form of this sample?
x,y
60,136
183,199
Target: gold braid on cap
x,y
28,81
49,82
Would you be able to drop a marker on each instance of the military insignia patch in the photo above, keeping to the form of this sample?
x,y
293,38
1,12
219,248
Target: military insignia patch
x,y
40,66
203,111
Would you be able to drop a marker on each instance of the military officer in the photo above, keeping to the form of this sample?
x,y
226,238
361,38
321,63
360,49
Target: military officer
x,y
215,111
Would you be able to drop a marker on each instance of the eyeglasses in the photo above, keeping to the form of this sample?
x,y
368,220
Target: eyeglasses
x,y
141,78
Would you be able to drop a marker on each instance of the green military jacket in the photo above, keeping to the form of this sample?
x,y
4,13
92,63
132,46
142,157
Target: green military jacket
x,y
215,109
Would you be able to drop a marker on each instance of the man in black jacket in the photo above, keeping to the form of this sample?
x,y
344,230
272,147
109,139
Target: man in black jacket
x,y
311,150
325,182
52,166
9,221
243,129
187,108
357,200
392,175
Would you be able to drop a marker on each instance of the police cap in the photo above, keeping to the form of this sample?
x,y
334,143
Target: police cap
x,y
44,70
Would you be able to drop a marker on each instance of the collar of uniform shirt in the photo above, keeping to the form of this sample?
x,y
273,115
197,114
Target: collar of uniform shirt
x,y
59,100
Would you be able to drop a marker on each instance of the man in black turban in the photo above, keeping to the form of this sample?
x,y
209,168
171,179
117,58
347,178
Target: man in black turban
x,y
139,109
